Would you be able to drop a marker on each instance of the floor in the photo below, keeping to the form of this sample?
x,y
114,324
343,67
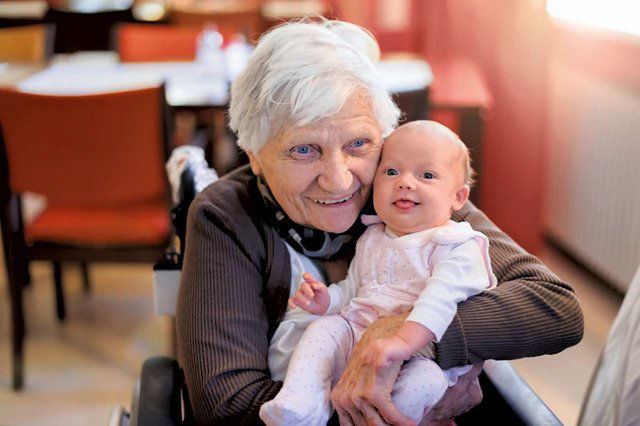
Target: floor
x,y
77,372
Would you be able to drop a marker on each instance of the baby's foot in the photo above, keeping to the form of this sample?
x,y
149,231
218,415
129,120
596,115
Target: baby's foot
x,y
294,411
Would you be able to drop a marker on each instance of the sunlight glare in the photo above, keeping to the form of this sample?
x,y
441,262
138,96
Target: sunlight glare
x,y
617,15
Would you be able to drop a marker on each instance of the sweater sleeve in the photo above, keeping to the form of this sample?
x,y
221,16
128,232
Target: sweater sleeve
x,y
222,324
531,312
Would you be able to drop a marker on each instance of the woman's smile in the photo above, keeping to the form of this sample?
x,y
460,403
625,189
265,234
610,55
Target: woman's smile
x,y
334,201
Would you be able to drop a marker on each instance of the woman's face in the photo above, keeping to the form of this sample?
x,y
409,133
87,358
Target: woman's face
x,y
321,174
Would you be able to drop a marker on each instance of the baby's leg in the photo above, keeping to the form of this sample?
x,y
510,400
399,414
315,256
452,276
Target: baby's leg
x,y
316,363
420,385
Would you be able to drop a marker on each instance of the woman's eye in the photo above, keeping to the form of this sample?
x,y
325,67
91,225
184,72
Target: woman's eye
x,y
302,149
391,172
358,143
428,175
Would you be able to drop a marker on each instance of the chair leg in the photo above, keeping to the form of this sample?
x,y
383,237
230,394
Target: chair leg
x,y
9,217
21,255
57,278
15,277
17,353
86,279
14,273
26,274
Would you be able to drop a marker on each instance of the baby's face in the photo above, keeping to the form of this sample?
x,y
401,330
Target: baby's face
x,y
419,181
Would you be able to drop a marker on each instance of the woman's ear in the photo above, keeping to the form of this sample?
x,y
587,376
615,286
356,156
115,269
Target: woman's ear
x,y
255,163
462,195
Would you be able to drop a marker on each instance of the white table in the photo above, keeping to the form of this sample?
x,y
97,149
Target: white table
x,y
188,84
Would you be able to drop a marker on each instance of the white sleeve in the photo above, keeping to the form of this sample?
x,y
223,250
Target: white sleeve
x,y
343,291
458,276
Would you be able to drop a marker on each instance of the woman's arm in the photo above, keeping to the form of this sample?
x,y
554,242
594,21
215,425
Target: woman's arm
x,y
531,312
221,318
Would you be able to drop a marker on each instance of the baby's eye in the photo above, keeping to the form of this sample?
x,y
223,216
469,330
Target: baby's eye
x,y
391,172
428,175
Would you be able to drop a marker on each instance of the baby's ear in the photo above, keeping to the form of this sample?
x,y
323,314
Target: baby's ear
x,y
462,195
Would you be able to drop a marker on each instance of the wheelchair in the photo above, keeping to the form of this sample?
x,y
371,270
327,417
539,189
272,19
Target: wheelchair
x,y
160,395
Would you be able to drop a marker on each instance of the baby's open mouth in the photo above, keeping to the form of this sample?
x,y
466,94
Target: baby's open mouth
x,y
405,203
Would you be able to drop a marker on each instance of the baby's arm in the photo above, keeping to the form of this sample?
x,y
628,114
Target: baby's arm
x,y
315,297
410,338
460,274
312,296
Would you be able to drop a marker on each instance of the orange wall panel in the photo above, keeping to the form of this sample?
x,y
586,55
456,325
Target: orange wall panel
x,y
509,41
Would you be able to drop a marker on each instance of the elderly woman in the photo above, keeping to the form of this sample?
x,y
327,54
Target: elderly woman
x,y
311,114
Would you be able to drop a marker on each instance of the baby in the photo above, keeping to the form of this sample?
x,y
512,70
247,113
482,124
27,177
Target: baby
x,y
412,257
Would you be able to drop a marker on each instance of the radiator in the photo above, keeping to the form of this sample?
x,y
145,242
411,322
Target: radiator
x,y
593,182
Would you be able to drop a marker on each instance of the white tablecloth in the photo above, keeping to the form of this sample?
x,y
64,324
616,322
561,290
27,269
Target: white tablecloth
x,y
187,83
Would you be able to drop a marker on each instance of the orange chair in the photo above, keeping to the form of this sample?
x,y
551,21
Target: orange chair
x,y
238,17
31,44
156,43
99,161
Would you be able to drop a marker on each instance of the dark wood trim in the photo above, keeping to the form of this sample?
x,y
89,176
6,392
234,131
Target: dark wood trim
x,y
39,250
49,41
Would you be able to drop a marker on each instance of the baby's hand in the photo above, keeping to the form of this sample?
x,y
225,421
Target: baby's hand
x,y
383,352
312,296
408,339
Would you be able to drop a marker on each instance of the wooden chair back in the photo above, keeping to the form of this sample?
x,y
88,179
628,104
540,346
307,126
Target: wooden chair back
x,y
90,150
236,18
156,43
29,44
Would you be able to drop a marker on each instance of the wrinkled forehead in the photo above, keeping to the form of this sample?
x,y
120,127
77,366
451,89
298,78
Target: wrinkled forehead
x,y
355,117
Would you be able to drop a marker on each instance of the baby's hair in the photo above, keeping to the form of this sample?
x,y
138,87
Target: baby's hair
x,y
469,173
451,136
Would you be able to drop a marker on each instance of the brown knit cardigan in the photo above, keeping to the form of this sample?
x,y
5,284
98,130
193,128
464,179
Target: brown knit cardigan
x,y
235,284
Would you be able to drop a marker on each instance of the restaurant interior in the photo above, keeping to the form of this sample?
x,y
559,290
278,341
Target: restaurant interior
x,y
95,95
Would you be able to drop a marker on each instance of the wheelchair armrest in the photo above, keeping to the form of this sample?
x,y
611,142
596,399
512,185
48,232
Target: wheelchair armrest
x,y
507,399
520,397
159,402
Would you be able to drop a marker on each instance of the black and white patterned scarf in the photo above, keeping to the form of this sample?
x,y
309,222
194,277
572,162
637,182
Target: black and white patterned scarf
x,y
313,243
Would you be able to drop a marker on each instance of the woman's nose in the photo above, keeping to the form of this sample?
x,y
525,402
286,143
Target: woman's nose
x,y
336,176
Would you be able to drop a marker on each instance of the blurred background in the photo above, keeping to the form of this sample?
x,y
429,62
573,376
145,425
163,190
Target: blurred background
x,y
545,93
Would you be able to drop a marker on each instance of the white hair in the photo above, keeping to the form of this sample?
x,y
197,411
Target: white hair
x,y
301,72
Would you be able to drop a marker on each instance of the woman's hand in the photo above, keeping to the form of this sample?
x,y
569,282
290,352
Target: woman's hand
x,y
363,394
312,296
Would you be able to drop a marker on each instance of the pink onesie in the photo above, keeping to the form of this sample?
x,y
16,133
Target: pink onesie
x,y
428,273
